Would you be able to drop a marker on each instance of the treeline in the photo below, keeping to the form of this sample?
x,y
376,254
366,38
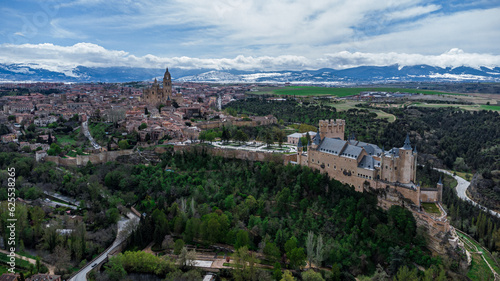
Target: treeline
x,y
273,209
360,122
450,134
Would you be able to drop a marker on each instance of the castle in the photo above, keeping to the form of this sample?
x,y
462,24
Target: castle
x,y
155,95
365,166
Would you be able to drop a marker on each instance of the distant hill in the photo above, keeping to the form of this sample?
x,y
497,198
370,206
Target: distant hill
x,y
362,74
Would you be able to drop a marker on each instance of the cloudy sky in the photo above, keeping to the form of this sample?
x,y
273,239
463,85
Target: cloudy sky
x,y
250,34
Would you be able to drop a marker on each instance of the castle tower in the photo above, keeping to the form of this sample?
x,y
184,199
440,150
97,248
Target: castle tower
x,y
440,190
406,163
316,140
167,85
332,128
300,149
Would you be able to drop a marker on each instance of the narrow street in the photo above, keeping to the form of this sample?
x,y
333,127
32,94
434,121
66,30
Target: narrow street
x,y
86,132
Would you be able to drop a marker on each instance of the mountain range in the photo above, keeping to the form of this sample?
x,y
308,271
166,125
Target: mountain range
x,y
362,74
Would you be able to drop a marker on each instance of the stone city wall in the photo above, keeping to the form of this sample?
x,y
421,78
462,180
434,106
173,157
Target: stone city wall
x,y
240,154
95,158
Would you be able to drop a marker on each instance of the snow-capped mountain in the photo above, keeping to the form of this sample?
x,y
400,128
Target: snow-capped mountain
x,y
362,74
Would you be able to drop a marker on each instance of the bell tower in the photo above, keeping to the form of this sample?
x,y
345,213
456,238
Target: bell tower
x,y
167,86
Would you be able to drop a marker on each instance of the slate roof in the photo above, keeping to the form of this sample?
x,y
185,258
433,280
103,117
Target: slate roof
x,y
407,144
332,146
368,163
317,138
352,151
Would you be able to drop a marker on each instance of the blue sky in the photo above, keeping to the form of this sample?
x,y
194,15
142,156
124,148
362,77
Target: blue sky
x,y
244,34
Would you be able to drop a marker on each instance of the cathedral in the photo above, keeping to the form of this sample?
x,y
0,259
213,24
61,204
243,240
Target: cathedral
x,y
155,96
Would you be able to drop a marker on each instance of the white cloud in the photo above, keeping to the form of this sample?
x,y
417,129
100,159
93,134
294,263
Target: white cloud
x,y
412,12
65,58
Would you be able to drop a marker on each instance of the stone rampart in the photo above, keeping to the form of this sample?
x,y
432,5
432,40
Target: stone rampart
x,y
239,154
95,158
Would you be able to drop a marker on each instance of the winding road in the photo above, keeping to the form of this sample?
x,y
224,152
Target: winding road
x,y
461,188
120,237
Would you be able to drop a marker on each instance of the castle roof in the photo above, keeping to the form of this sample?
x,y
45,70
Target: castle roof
x,y
317,138
440,182
299,144
368,163
352,151
332,146
407,144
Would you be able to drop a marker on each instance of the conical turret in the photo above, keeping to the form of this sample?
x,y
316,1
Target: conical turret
x,y
407,144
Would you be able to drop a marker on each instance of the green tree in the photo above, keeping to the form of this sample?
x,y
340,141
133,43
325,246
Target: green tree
x,y
54,149
240,136
287,276
242,239
311,275
244,264
405,274
115,270
123,144
277,274
280,136
143,126
179,244
271,251
226,135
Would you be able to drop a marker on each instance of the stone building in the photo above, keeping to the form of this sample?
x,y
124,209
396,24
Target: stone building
x,y
363,165
156,95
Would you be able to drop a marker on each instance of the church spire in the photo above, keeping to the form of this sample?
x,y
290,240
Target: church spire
x,y
407,144
299,144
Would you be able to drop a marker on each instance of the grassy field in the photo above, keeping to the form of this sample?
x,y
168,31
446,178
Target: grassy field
x,y
339,92
65,139
490,107
478,269
346,105
431,208
462,106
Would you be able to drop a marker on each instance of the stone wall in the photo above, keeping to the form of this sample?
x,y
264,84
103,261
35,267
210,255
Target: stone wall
x,y
240,154
95,158
429,195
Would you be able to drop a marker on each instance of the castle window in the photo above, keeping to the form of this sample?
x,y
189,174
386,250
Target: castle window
x,y
395,168
335,167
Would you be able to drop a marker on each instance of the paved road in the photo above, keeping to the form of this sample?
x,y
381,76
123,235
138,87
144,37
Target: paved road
x,y
120,237
86,132
461,188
